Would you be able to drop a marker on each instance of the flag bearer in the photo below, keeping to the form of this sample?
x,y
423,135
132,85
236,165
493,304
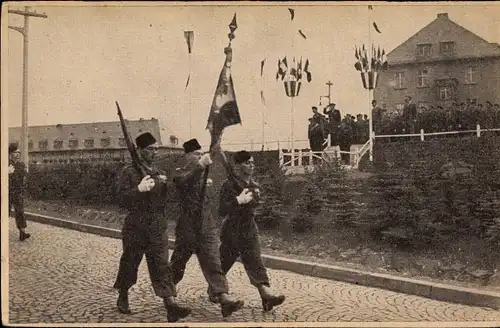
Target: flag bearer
x,y
239,234
144,231
196,231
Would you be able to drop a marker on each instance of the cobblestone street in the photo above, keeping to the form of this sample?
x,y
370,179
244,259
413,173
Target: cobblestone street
x,y
62,276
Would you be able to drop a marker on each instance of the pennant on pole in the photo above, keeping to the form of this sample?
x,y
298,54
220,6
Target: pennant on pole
x,y
292,13
187,82
302,33
189,35
376,27
262,67
306,70
262,97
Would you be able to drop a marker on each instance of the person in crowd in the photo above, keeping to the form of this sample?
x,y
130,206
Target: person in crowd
x,y
196,230
17,180
239,233
376,117
409,115
144,231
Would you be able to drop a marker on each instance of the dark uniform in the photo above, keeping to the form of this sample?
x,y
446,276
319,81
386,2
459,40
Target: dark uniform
x,y
16,194
144,232
196,232
239,234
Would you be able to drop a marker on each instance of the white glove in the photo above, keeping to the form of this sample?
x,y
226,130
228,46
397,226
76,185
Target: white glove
x,y
11,169
245,197
209,182
147,183
162,178
205,160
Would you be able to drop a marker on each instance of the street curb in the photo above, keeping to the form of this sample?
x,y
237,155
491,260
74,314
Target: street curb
x,y
435,291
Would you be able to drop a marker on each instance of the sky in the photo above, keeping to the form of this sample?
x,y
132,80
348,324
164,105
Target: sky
x,y
82,59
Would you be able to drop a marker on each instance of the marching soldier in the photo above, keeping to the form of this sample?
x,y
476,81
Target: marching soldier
x,y
17,173
196,231
239,234
145,231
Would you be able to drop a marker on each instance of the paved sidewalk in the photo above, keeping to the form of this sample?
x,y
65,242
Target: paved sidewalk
x,y
62,275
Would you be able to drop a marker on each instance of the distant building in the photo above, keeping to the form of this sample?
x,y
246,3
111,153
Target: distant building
x,y
83,141
441,63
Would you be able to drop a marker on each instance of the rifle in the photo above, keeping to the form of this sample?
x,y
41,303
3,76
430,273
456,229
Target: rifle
x,y
136,160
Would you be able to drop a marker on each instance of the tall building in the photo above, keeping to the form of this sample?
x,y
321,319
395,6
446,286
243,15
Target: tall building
x,y
441,63
97,135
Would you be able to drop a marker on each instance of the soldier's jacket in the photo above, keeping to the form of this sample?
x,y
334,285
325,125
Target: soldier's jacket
x,y
228,205
188,180
17,179
142,204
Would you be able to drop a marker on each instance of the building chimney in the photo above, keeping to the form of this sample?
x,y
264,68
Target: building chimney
x,y
444,15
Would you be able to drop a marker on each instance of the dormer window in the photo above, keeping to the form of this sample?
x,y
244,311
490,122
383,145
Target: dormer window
x,y
424,50
58,144
447,48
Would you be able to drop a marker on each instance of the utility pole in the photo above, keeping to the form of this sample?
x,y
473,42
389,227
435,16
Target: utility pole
x,y
24,31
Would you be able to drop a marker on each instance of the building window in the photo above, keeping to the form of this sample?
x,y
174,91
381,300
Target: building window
x,y
89,143
470,75
43,144
122,142
398,80
447,48
73,143
423,50
422,80
58,144
444,93
105,142
30,145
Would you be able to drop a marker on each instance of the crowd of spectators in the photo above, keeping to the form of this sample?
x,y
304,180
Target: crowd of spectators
x,y
350,130
435,118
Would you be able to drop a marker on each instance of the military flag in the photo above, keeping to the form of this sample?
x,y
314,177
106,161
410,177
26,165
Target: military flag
x,y
224,111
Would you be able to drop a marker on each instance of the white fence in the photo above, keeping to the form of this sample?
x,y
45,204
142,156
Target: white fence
x,y
301,158
422,133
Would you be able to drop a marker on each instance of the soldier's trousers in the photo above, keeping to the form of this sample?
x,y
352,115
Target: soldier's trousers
x,y
18,204
242,239
188,241
154,244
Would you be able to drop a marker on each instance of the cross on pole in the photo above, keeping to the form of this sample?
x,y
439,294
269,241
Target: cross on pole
x,y
329,84
24,31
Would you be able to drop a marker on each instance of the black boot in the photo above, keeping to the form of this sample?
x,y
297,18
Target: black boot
x,y
211,297
122,302
228,307
270,301
23,235
176,312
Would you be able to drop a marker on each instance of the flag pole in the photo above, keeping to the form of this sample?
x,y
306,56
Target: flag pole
x,y
190,101
370,91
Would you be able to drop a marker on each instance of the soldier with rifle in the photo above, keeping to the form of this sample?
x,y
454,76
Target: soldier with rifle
x,y
142,189
239,233
196,230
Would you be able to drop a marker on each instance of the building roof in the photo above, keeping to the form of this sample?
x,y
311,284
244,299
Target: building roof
x,y
95,130
442,29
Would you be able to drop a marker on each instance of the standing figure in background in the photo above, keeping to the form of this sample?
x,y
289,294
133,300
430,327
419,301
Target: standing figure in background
x,y
17,179
196,232
409,115
145,231
334,120
239,234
